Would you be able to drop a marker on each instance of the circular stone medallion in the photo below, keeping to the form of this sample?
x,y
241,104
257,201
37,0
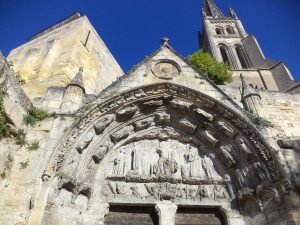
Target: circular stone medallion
x,y
166,70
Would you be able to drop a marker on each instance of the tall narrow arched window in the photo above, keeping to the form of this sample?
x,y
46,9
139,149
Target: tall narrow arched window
x,y
225,55
230,30
242,57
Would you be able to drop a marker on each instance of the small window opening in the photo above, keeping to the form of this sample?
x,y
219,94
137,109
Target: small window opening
x,y
219,31
229,30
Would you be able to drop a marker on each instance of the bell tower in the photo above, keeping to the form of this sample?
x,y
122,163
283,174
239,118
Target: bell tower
x,y
222,36
225,38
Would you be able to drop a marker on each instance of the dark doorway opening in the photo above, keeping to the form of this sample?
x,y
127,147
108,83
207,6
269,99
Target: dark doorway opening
x,y
131,215
199,216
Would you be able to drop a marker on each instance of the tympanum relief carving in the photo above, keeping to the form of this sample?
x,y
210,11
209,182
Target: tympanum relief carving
x,y
165,170
165,142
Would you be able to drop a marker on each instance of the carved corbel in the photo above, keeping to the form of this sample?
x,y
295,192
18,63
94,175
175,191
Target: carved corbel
x,y
203,114
126,113
103,123
98,156
86,140
186,125
121,134
208,137
226,129
181,105
152,104
143,124
162,118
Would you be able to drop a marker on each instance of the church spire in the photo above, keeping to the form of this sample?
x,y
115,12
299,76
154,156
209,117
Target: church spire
x,y
211,9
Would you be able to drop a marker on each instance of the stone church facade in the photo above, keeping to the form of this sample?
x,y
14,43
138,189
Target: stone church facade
x,y
160,144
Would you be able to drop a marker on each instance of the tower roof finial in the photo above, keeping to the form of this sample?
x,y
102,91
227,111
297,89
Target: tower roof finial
x,y
211,9
165,41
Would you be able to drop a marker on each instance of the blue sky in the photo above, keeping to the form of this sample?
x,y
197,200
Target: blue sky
x,y
132,29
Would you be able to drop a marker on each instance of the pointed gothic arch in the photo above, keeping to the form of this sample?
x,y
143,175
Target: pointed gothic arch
x,y
226,54
219,30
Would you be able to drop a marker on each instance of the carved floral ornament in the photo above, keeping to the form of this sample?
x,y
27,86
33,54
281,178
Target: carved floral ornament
x,y
169,141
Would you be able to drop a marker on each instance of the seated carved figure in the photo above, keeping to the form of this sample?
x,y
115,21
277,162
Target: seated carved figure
x,y
164,166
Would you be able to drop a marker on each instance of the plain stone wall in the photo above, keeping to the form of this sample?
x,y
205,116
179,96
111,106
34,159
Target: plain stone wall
x,y
19,189
53,59
283,110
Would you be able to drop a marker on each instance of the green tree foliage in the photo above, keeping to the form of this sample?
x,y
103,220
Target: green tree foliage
x,y
218,72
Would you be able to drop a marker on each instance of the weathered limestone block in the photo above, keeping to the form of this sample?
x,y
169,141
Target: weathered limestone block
x,y
54,57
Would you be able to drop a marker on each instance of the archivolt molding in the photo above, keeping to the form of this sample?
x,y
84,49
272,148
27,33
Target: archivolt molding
x,y
165,112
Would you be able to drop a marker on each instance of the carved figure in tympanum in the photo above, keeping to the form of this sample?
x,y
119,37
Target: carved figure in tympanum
x,y
104,122
208,166
164,166
193,164
119,163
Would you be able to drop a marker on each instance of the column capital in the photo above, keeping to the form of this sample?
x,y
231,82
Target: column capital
x,y
166,211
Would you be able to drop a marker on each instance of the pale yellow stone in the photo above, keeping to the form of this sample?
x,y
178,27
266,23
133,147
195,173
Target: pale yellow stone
x,y
53,59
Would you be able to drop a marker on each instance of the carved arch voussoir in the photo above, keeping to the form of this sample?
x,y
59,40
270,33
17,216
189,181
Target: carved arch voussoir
x,y
136,110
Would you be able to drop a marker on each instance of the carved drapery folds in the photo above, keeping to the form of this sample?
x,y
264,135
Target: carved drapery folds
x,y
165,142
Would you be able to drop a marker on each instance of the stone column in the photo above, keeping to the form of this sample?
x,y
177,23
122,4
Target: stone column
x,y
241,28
166,211
211,40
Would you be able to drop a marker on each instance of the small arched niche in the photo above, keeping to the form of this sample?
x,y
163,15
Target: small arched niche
x,y
224,50
219,31
230,30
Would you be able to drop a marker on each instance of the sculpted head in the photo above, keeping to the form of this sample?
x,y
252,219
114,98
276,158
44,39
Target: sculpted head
x,y
159,152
